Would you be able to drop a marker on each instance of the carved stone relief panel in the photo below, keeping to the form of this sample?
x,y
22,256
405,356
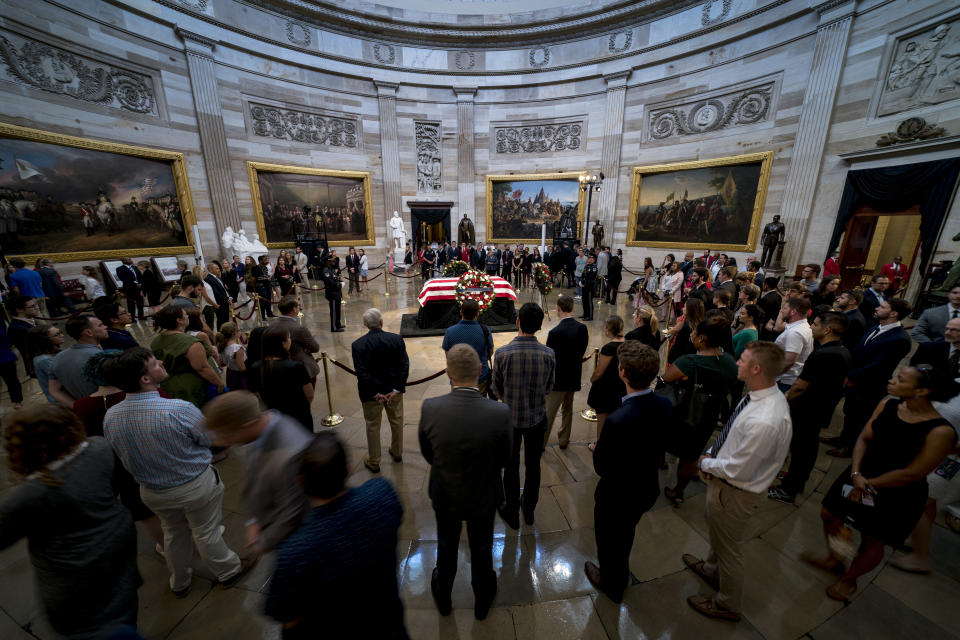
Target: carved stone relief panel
x,y
429,157
538,137
924,69
384,53
712,113
298,33
714,11
48,68
620,41
283,123
539,56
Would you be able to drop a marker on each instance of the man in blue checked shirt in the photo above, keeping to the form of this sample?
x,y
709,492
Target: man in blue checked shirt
x,y
470,332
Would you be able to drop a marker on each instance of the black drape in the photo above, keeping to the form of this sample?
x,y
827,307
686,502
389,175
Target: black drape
x,y
928,184
430,216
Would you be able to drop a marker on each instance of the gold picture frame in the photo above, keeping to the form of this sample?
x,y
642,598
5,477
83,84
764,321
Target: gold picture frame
x,y
256,169
185,215
736,230
496,227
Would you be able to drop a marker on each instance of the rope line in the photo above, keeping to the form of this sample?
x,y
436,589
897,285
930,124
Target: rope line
x,y
432,376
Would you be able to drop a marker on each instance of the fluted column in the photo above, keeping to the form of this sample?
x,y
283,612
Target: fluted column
x,y
800,188
213,136
610,159
466,172
389,150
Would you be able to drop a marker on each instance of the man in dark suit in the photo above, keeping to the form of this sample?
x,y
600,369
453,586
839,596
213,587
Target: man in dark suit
x,y
334,294
945,355
453,252
848,303
506,263
302,343
353,270
380,358
129,277
569,341
871,365
220,294
873,298
629,485
699,288
770,303
274,503
467,440
726,280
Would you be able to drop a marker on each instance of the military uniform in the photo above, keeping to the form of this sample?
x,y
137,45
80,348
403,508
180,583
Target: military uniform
x,y
334,295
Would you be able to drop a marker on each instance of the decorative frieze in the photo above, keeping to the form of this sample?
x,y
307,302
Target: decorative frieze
x,y
384,53
465,60
303,126
539,56
703,115
49,68
538,137
910,130
924,68
714,11
429,157
620,41
298,34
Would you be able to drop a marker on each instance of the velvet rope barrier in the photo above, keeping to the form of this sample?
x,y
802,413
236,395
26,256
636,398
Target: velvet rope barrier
x,y
409,384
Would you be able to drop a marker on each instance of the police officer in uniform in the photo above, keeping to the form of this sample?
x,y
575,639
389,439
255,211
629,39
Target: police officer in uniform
x,y
589,280
331,282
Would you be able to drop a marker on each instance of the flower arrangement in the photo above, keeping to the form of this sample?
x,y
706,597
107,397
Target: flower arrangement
x,y
455,268
475,285
543,278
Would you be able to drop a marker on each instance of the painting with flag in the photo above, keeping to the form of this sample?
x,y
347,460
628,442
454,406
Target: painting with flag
x,y
721,206
518,206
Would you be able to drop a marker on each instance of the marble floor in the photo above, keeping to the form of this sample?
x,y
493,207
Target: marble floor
x,y
543,592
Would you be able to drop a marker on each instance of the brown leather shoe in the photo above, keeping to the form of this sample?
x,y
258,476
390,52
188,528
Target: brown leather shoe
x,y
593,575
397,457
374,468
696,565
706,606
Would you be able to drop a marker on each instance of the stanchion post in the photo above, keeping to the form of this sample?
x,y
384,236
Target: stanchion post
x,y
386,278
256,309
603,282
589,414
332,419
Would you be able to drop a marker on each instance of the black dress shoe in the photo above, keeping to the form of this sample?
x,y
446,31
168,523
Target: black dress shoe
x,y
595,578
481,607
512,518
444,604
528,516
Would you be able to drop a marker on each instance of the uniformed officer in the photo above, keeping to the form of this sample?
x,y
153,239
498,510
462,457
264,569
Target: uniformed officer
x,y
331,282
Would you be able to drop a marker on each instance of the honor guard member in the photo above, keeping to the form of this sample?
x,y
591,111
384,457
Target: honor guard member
x,y
331,283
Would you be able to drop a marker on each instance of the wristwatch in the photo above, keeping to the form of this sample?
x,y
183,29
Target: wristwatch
x,y
854,474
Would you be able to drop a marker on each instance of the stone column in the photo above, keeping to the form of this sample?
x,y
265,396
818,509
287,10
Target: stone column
x,y
466,171
610,160
816,114
213,137
389,150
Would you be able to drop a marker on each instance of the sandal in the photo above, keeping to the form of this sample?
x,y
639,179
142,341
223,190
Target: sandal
x,y
826,565
592,446
842,590
673,496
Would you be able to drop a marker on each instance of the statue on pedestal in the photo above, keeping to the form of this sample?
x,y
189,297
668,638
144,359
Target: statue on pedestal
x,y
597,233
399,233
465,231
773,234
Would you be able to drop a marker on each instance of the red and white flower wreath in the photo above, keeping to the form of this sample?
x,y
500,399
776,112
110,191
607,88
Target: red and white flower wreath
x,y
475,285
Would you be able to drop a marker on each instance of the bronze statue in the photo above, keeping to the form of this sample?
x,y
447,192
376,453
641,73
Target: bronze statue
x,y
773,234
465,231
597,233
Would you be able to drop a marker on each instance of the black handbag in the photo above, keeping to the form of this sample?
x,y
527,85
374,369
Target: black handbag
x,y
693,403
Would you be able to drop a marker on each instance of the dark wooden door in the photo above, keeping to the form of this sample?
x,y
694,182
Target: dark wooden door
x,y
856,246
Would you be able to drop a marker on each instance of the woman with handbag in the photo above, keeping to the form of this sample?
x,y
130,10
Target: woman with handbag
x,y
607,389
701,383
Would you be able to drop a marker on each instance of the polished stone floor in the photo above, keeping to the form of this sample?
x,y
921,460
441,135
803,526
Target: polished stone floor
x,y
543,591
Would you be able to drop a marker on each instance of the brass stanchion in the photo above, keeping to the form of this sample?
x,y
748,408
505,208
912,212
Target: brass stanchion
x,y
256,307
603,283
299,306
589,414
386,278
332,419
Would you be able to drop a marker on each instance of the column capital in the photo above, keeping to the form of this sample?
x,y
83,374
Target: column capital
x,y
833,10
617,80
386,89
465,94
196,43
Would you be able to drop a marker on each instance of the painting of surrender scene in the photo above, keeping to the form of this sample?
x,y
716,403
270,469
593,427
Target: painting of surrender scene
x,y
711,203
73,198
518,206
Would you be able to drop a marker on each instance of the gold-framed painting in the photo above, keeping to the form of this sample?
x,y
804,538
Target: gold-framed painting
x,y
288,200
714,204
72,199
518,205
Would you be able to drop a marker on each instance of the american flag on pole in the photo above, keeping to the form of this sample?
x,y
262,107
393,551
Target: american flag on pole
x,y
147,186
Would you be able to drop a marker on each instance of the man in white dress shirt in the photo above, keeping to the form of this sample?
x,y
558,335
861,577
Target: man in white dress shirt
x,y
739,468
796,340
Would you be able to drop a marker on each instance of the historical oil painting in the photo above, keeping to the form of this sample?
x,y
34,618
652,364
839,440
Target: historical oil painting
x,y
292,200
714,204
70,198
519,205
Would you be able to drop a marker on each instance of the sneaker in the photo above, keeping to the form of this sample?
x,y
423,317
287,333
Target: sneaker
x,y
778,494
577,298
374,468
245,567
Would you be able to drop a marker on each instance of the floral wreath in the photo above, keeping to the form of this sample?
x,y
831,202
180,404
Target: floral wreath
x,y
455,268
543,278
475,285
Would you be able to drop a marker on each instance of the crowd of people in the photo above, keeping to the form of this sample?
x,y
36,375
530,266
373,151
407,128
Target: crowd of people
x,y
750,376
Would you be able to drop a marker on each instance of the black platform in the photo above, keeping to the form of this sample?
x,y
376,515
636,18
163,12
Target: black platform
x,y
434,317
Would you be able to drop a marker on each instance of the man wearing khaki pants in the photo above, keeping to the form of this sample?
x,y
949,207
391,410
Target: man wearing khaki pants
x,y
569,342
380,358
740,467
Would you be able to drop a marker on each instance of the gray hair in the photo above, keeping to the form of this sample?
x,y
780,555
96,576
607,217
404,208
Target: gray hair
x,y
372,318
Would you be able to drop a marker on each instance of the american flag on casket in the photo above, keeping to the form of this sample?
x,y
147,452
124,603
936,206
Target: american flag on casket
x,y
446,289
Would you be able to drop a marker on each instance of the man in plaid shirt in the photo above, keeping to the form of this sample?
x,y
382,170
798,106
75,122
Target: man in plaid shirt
x,y
523,372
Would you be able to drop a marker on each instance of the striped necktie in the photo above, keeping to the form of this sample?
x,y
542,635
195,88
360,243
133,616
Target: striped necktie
x,y
715,449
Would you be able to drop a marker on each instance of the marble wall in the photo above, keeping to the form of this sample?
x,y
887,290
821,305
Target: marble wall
x,y
807,80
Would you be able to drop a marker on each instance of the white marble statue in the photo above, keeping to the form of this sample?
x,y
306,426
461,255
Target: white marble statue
x,y
399,233
240,245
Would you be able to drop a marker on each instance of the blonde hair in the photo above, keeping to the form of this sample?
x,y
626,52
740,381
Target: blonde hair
x,y
228,331
463,363
614,326
231,411
649,318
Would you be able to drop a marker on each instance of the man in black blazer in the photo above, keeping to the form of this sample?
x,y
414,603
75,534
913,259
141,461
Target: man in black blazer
x,y
467,440
770,303
353,270
848,303
871,366
943,355
873,297
569,341
380,358
627,459
506,263
220,294
129,278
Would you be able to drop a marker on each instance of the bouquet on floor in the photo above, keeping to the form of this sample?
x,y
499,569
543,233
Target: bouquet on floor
x,y
455,268
542,278
475,285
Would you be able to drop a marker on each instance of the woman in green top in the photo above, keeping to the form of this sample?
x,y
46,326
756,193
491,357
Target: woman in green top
x,y
183,357
750,316
711,375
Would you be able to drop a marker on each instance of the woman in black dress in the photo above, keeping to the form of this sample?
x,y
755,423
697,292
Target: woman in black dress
x,y
884,491
827,292
693,314
149,284
283,384
284,276
647,328
607,389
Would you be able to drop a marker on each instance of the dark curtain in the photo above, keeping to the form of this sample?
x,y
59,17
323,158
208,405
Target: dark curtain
x,y
928,184
430,216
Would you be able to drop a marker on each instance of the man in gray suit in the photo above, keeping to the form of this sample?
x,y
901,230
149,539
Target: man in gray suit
x,y
932,323
302,343
274,502
467,440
